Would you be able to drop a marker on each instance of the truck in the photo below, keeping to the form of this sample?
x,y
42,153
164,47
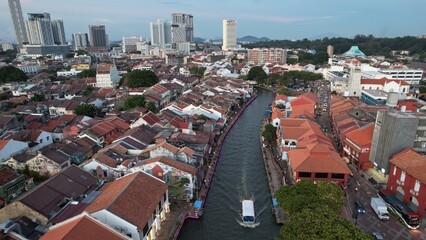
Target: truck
x,y
380,208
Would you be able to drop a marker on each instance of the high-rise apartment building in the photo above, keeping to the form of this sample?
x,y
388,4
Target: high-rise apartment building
x,y
58,32
264,55
161,34
98,37
330,50
182,27
129,44
229,34
39,29
393,132
80,41
18,22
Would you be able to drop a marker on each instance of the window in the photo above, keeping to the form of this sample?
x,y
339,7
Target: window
x,y
402,176
305,174
417,186
321,175
337,176
47,138
394,170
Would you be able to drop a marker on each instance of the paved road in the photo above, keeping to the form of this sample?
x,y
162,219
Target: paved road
x,y
368,222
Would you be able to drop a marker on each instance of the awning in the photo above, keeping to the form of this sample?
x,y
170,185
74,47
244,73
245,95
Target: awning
x,y
274,202
198,204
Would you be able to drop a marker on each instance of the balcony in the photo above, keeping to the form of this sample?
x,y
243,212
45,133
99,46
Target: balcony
x,y
414,193
400,183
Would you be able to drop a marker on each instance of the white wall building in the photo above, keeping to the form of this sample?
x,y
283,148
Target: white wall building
x,y
129,44
106,75
72,72
29,67
411,76
11,147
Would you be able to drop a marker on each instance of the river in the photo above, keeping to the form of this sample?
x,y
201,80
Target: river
x,y
240,173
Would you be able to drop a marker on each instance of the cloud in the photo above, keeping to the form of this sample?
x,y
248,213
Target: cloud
x,y
279,19
104,20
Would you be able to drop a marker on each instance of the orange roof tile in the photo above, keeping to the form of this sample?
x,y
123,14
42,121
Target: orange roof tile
x,y
412,163
362,136
173,163
82,227
3,143
133,198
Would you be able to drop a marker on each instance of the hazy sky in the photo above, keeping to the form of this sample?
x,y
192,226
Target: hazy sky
x,y
276,19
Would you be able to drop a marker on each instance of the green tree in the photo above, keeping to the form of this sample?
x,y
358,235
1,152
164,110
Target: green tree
x,y
87,73
141,78
134,101
314,211
319,223
256,73
198,71
151,107
270,133
291,60
38,97
283,91
69,55
87,91
12,74
86,110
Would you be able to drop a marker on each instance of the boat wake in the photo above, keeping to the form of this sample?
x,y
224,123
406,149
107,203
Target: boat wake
x,y
261,211
251,225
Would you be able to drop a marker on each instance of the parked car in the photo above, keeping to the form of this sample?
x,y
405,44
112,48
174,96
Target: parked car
x,y
359,206
377,236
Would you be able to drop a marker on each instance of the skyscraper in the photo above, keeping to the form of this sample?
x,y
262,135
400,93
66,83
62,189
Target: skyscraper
x,y
98,37
182,27
39,29
18,22
229,34
161,33
80,41
58,32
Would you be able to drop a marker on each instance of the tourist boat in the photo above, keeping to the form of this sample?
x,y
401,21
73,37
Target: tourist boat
x,y
248,217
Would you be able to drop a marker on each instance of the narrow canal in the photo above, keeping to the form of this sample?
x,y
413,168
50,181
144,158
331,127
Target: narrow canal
x,y
240,174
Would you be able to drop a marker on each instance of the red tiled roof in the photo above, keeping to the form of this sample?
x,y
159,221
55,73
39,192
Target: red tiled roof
x,y
3,143
173,163
412,163
7,175
82,227
362,136
34,125
165,145
151,118
317,158
383,81
133,198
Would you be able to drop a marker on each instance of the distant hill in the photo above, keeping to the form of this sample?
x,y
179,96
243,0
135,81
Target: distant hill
x,y
252,39
246,39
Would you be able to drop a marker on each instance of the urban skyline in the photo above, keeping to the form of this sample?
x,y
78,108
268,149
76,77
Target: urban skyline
x,y
317,19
